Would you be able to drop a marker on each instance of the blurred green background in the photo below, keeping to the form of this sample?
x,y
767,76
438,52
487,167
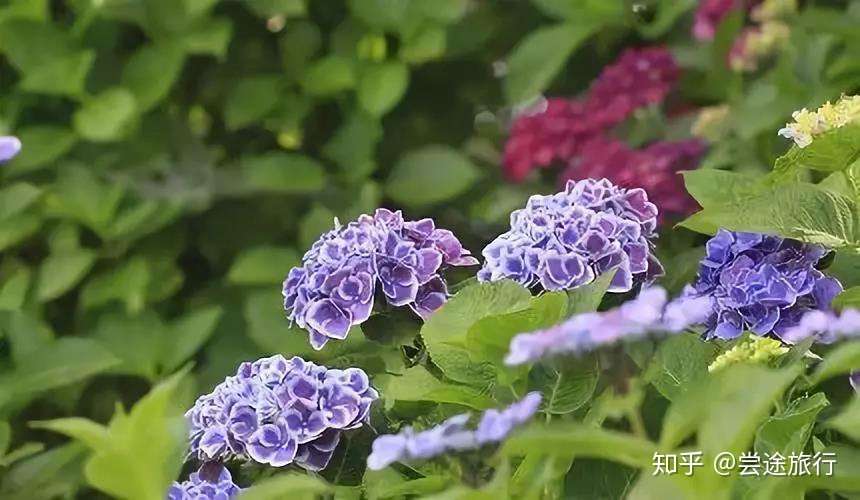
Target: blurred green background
x,y
180,155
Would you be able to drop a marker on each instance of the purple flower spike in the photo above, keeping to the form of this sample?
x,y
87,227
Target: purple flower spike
x,y
10,146
452,434
211,482
760,283
648,313
825,327
334,288
566,240
277,411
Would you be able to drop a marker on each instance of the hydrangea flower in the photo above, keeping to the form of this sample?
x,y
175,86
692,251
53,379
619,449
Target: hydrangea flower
x,y
565,240
277,411
556,131
335,286
756,43
854,379
649,312
212,482
755,349
760,283
10,146
452,434
656,169
808,124
639,77
824,326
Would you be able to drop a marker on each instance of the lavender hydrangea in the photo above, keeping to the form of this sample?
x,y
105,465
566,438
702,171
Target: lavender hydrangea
x,y
212,482
10,146
277,411
760,283
649,312
452,434
566,240
335,286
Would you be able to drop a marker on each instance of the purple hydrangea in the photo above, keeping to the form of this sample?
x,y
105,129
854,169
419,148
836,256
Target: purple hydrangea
x,y
854,379
566,240
335,286
10,146
212,482
582,333
452,434
760,283
824,326
277,411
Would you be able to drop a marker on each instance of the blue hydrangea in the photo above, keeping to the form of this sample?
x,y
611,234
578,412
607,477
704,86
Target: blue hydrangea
x,y
566,240
649,312
336,284
10,146
212,482
452,434
760,283
277,411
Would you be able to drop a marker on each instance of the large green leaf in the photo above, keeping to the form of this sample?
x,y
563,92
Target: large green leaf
x,y
538,58
151,72
788,431
430,175
445,333
831,151
566,386
417,384
380,87
679,363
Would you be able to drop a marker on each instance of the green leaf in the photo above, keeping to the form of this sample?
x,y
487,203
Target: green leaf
x,y
538,58
353,146
140,453
668,12
16,284
417,384
86,431
848,298
262,265
106,117
251,100
151,72
126,283
567,386
208,37
44,144
384,14
844,358
80,195
282,173
424,45
62,271
135,339
430,175
570,438
798,210
16,198
591,11
586,298
831,151
292,485
445,332
382,86
49,59
848,420
268,328
186,335
18,228
680,362
788,431
59,363
421,486
328,76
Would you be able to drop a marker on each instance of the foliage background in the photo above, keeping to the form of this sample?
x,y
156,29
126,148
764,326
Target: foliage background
x,y
180,155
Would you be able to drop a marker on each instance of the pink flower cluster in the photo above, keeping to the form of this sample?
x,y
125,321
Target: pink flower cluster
x,y
575,133
709,15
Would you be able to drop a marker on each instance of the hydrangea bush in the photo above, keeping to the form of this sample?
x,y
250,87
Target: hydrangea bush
x,y
616,247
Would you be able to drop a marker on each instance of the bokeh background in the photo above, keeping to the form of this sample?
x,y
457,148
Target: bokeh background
x,y
180,155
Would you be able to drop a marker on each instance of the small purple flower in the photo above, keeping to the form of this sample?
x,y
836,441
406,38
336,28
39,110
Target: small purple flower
x,y
760,283
334,289
10,146
566,240
277,411
452,434
647,313
824,326
211,482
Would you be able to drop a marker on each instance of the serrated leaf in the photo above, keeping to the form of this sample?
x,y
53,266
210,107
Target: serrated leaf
x,y
679,363
566,386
